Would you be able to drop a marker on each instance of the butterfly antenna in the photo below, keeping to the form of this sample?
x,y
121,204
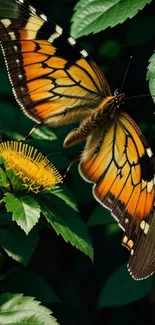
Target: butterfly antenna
x,y
126,73
35,127
71,164
142,95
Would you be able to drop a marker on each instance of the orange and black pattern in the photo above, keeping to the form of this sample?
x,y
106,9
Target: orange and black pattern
x,y
56,83
121,165
51,78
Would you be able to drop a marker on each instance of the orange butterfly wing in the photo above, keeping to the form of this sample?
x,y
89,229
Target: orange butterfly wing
x,y
56,82
122,166
53,79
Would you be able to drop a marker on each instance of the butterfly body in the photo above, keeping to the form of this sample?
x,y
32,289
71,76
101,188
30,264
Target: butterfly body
x,y
56,83
103,116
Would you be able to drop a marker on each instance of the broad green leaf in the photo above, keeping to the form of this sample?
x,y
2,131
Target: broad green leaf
x,y
120,289
17,244
26,210
100,216
67,223
150,76
20,279
66,195
18,310
3,179
93,16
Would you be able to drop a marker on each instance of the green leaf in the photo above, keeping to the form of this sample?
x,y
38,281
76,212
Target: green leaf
x,y
100,216
150,76
66,195
93,16
18,310
17,244
16,182
26,210
20,279
66,223
120,289
3,179
44,133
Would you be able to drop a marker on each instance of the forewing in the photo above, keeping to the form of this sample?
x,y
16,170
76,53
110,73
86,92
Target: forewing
x,y
122,166
53,79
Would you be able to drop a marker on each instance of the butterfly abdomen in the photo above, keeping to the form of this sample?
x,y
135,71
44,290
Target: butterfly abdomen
x,y
101,116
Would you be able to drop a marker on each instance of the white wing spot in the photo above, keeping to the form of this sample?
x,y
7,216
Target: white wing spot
x,y
13,36
20,76
142,225
32,9
20,1
84,53
6,22
43,17
58,29
132,251
15,48
53,37
149,152
146,228
71,40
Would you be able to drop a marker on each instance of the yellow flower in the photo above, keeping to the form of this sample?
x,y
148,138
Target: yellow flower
x,y
35,170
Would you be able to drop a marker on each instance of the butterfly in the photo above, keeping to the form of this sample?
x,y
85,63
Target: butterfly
x,y
56,83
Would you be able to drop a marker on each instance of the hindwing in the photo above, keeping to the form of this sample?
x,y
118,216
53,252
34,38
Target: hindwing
x,y
121,166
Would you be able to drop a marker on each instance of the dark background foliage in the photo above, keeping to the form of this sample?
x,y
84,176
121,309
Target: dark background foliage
x,y
75,279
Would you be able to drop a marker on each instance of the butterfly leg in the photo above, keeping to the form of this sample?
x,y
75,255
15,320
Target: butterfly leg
x,y
35,127
74,160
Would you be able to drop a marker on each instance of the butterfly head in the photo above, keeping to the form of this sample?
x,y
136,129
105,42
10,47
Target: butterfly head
x,y
119,98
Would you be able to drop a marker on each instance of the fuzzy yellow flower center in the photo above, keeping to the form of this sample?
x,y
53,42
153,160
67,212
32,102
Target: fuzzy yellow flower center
x,y
35,170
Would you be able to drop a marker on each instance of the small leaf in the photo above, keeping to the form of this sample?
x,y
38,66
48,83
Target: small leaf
x,y
120,289
92,16
20,279
151,76
16,182
66,195
66,223
18,310
100,216
26,210
17,244
3,179
44,133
